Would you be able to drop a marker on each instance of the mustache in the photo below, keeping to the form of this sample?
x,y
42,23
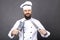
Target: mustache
x,y
27,13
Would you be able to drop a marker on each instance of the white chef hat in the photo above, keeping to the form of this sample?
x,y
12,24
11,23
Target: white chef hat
x,y
26,5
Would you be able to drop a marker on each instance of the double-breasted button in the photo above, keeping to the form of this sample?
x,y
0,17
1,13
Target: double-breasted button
x,y
30,32
24,32
24,37
30,37
31,27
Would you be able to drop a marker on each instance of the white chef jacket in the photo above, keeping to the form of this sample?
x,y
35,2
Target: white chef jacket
x,y
30,31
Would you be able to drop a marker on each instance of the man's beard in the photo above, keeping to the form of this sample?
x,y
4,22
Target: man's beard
x,y
27,17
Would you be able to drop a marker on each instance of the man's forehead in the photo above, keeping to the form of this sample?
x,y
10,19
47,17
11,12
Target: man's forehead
x,y
27,9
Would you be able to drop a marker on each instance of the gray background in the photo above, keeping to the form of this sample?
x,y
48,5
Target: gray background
x,y
47,11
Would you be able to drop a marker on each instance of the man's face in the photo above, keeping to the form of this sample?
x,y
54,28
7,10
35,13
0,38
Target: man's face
x,y
27,13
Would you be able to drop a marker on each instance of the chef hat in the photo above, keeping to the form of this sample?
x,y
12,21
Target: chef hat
x,y
26,5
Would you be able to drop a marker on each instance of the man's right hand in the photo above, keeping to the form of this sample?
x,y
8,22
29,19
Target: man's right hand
x,y
14,32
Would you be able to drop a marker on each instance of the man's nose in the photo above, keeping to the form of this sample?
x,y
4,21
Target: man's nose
x,y
27,11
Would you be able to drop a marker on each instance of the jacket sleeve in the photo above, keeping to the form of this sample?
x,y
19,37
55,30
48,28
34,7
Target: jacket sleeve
x,y
14,27
45,36
40,26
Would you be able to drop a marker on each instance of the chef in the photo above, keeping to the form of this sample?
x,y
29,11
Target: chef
x,y
28,26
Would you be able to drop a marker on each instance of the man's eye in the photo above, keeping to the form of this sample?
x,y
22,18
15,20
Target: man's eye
x,y
24,10
29,10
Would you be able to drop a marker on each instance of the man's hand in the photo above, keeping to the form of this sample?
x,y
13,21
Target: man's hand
x,y
15,32
43,32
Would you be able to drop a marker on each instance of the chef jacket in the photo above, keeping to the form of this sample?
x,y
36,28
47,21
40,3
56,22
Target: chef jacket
x,y
28,30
